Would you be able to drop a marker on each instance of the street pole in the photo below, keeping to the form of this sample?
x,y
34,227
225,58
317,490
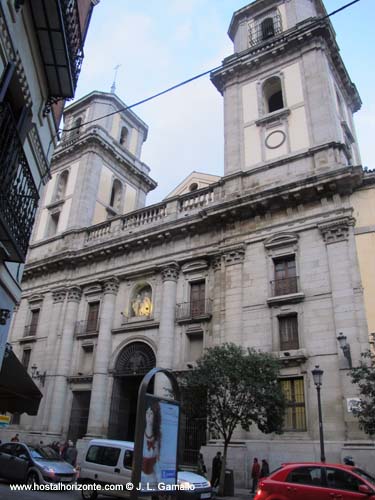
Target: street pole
x,y
322,454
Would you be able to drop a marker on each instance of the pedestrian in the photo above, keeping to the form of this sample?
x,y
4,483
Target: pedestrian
x,y
216,469
255,472
265,469
71,454
63,445
202,469
15,439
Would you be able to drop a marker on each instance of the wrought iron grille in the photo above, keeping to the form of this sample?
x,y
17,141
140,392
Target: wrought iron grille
x,y
193,309
86,327
73,36
264,29
135,359
284,286
30,330
18,194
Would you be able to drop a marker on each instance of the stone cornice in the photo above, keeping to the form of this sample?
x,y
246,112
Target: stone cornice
x,y
249,205
90,138
307,31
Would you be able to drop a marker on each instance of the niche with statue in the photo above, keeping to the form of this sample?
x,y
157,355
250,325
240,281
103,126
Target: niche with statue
x,y
141,305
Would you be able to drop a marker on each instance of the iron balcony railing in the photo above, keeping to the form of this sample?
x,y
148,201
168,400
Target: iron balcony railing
x,y
284,286
30,331
18,194
74,37
86,327
194,309
264,29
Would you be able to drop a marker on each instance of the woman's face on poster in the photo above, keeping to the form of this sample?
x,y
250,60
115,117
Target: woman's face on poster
x,y
149,416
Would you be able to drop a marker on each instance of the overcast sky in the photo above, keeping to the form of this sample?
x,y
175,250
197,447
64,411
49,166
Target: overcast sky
x,y
162,42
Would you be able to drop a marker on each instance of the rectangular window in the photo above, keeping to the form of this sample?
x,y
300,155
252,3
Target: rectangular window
x,y
103,455
92,317
32,328
26,358
288,331
53,224
295,414
285,275
197,298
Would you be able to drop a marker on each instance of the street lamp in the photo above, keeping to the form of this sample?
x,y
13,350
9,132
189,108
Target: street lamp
x,y
345,348
317,374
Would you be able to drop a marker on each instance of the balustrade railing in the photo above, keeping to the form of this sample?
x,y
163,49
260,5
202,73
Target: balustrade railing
x,y
284,286
86,327
193,309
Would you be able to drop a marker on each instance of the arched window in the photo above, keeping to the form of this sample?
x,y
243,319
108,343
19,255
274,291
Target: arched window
x,y
268,28
124,136
115,200
77,126
61,185
141,302
273,94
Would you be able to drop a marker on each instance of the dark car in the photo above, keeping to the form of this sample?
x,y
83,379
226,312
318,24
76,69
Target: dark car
x,y
316,481
20,462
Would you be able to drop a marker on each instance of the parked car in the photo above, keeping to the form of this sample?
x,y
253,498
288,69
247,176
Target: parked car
x,y
316,481
20,462
108,461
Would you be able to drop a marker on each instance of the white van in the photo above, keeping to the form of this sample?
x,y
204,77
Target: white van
x,y
108,463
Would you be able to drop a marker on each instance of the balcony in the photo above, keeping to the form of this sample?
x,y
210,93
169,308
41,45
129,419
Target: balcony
x,y
30,331
19,196
86,329
194,311
285,290
265,29
59,37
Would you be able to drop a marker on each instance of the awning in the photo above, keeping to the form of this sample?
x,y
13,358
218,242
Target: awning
x,y
18,393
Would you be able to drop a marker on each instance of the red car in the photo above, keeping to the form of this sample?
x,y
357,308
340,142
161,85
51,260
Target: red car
x,y
316,481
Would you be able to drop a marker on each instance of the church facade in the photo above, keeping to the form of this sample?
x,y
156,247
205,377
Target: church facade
x,y
264,256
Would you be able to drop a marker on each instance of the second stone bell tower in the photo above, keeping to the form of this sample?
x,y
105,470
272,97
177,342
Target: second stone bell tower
x,y
288,99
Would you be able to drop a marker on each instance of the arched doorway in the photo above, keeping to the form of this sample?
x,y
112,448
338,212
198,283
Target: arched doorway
x,y
133,362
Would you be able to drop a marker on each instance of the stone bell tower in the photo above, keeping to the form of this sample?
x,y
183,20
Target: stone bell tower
x,y
97,172
288,99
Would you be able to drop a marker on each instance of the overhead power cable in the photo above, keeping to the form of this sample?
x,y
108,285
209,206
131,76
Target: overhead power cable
x,y
189,80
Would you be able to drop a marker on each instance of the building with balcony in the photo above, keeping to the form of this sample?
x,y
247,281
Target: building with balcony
x,y
264,256
41,51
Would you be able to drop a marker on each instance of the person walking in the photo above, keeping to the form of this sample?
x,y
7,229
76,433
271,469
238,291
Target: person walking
x,y
216,469
202,469
255,472
71,454
265,469
15,439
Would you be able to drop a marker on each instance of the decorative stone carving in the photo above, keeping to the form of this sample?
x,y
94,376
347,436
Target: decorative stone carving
x,y
111,285
59,295
234,256
337,230
74,294
170,272
216,262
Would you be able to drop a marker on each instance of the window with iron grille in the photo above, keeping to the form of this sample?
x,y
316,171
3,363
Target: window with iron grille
x,y
285,275
26,358
197,298
34,321
92,317
295,414
288,332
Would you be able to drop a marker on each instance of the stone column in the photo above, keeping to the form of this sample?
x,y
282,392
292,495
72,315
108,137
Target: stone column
x,y
218,311
64,360
337,237
58,299
233,260
96,424
165,352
